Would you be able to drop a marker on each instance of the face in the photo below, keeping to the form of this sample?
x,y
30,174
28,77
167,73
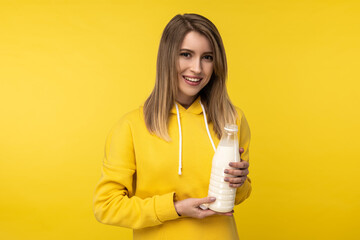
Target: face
x,y
195,67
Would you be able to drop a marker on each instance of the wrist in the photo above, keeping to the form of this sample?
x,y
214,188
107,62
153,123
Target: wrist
x,y
176,205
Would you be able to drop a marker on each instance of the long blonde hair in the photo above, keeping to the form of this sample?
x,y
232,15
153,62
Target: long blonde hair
x,y
214,95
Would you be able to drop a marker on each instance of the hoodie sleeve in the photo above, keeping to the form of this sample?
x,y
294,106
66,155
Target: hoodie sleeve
x,y
244,191
114,201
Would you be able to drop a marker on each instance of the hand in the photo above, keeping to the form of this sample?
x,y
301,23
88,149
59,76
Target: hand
x,y
239,173
190,208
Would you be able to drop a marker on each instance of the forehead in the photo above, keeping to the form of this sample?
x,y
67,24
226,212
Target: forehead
x,y
196,42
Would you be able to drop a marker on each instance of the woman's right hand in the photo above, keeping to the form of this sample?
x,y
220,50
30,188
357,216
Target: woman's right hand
x,y
190,207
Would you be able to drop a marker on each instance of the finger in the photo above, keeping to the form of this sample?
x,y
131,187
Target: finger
x,y
241,165
241,150
236,180
237,172
225,214
236,185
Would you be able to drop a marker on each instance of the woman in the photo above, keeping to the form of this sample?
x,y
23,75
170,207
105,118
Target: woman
x,y
157,163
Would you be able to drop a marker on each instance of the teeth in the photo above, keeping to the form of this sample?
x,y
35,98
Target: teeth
x,y
193,79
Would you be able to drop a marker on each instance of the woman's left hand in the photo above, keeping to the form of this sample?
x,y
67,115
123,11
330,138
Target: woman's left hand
x,y
239,172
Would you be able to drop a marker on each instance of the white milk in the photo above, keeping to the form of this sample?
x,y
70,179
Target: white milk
x,y
226,152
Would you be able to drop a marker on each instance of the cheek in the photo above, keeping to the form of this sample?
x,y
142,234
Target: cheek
x,y
181,66
209,70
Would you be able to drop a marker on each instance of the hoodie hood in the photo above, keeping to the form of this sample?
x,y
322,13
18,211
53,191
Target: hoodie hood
x,y
195,107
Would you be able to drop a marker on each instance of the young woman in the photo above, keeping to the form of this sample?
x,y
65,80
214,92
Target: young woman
x,y
158,158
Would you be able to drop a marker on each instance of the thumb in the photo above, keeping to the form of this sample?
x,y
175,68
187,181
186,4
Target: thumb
x,y
206,200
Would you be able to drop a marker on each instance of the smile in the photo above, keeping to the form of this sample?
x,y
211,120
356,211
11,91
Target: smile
x,y
193,81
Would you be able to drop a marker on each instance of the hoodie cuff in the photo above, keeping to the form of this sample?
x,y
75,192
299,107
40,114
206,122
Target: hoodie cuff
x,y
164,207
243,192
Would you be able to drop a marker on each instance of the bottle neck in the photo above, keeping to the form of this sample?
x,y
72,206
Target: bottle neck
x,y
229,138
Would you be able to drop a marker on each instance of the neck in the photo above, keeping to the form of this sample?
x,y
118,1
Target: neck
x,y
186,103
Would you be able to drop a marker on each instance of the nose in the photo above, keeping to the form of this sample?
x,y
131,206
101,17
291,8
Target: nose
x,y
196,66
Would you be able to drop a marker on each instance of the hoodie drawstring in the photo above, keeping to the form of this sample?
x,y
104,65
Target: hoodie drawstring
x,y
207,127
180,135
180,138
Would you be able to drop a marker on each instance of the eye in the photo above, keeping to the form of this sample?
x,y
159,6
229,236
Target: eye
x,y
208,57
185,54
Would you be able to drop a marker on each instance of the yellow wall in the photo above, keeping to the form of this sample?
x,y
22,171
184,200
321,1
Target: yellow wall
x,y
70,69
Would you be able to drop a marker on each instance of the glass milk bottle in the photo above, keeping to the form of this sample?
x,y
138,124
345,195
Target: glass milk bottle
x,y
226,152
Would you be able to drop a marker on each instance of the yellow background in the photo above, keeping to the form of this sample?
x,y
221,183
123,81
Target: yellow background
x,y
70,69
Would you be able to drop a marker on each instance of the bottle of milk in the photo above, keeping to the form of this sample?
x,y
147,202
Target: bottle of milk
x,y
226,152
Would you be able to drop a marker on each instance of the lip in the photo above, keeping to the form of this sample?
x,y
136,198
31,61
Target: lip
x,y
192,83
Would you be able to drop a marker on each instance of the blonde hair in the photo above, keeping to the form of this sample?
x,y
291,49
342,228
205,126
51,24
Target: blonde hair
x,y
214,95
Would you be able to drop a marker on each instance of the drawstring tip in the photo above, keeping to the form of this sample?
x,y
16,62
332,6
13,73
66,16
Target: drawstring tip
x,y
179,172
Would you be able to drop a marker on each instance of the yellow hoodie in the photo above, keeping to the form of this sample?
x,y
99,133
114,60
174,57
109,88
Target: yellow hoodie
x,y
140,174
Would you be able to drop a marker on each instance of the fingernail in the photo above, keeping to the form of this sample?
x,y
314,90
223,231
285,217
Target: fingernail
x,y
226,179
226,171
231,164
212,198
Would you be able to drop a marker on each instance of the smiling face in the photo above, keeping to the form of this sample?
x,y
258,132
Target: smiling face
x,y
195,67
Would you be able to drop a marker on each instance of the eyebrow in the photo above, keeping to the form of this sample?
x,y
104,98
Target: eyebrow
x,y
188,50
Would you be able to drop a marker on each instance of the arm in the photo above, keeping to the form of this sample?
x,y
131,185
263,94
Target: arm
x,y
114,200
